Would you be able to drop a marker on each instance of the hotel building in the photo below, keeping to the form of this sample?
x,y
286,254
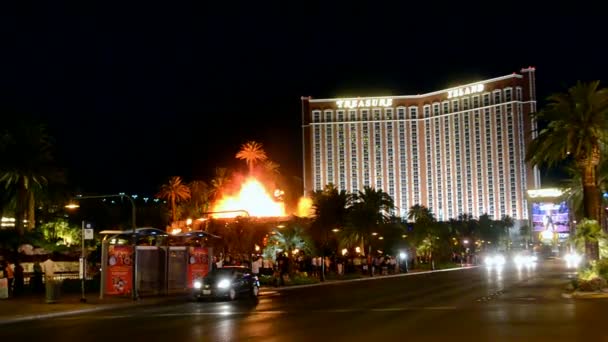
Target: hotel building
x,y
457,151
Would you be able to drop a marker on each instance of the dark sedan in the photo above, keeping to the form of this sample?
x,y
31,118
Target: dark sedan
x,y
227,282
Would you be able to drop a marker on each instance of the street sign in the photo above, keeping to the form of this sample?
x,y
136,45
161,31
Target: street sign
x,y
88,234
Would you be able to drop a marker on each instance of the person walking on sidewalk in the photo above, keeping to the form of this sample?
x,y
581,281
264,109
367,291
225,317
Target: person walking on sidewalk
x,y
10,275
19,281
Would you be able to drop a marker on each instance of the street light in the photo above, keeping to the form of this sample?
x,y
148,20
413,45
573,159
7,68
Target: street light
x,y
134,240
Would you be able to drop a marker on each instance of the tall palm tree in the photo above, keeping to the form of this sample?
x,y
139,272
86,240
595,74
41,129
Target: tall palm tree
x,y
174,191
507,223
331,207
577,129
287,240
420,213
26,167
370,210
199,196
252,153
219,182
587,231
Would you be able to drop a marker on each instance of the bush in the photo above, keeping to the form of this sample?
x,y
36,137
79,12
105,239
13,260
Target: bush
x,y
594,284
601,268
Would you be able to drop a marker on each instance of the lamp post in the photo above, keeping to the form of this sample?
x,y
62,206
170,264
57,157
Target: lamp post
x,y
134,239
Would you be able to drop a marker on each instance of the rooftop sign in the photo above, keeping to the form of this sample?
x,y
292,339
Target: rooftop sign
x,y
367,103
476,88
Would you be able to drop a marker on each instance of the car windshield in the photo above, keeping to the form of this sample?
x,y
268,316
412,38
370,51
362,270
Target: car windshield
x,y
222,272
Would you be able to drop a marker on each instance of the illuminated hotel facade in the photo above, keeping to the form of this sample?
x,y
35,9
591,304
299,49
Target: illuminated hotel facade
x,y
457,151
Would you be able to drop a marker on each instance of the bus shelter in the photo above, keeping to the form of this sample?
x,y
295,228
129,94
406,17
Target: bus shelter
x,y
160,264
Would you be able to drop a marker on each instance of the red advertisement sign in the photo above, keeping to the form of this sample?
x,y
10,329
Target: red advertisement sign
x,y
119,273
198,263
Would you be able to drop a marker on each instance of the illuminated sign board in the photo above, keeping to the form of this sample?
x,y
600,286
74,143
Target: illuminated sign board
x,y
552,217
367,103
548,192
476,88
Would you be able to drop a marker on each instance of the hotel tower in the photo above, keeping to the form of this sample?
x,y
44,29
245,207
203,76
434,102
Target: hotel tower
x,y
457,151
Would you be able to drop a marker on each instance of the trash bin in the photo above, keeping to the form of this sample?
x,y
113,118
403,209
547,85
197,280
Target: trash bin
x,y
53,288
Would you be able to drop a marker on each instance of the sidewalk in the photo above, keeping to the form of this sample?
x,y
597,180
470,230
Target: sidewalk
x,y
32,307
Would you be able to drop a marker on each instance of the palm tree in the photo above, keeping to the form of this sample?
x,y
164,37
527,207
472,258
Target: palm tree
x,y
219,182
175,191
525,231
370,210
288,240
588,234
251,152
420,213
26,167
424,229
507,222
200,193
331,208
577,129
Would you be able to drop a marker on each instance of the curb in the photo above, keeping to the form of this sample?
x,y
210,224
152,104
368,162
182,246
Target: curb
x,y
337,282
585,295
34,317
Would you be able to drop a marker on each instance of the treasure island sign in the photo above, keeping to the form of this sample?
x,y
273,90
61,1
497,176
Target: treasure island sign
x,y
364,103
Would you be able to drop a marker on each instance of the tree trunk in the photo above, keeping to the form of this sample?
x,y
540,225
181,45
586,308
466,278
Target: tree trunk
x,y
31,211
20,209
591,200
172,210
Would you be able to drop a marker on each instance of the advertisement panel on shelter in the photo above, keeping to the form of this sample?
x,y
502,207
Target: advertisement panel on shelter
x,y
119,273
198,264
550,216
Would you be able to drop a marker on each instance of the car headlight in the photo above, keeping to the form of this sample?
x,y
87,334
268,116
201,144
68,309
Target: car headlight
x,y
223,284
198,284
499,260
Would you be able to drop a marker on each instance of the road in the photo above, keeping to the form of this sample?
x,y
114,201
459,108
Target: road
x,y
477,304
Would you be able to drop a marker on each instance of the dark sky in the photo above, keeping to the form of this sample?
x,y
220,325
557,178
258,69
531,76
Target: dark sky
x,y
137,92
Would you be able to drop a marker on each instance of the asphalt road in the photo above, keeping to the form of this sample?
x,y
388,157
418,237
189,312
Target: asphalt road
x,y
478,304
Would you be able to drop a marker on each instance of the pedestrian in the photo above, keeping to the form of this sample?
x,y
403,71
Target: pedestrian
x,y
37,279
10,276
19,281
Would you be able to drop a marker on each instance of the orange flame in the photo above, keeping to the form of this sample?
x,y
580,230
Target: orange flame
x,y
252,198
305,207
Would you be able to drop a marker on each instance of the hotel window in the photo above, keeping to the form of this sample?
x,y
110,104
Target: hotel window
x,y
378,154
389,113
341,154
414,147
465,104
497,97
518,93
354,166
390,155
401,113
317,160
329,141
366,164
486,100
455,105
340,115
446,107
435,109
403,175
499,152
429,162
328,116
353,115
438,164
447,135
427,111
508,95
376,114
413,112
316,116
475,101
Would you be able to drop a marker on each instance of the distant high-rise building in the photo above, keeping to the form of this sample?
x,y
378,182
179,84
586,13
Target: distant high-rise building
x,y
457,151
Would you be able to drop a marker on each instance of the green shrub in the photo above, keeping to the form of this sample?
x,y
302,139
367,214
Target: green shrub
x,y
601,268
595,284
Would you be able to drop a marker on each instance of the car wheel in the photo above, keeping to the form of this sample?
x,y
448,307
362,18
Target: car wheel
x,y
255,291
232,294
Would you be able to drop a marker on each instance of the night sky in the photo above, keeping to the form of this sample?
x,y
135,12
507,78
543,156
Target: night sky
x,y
135,93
